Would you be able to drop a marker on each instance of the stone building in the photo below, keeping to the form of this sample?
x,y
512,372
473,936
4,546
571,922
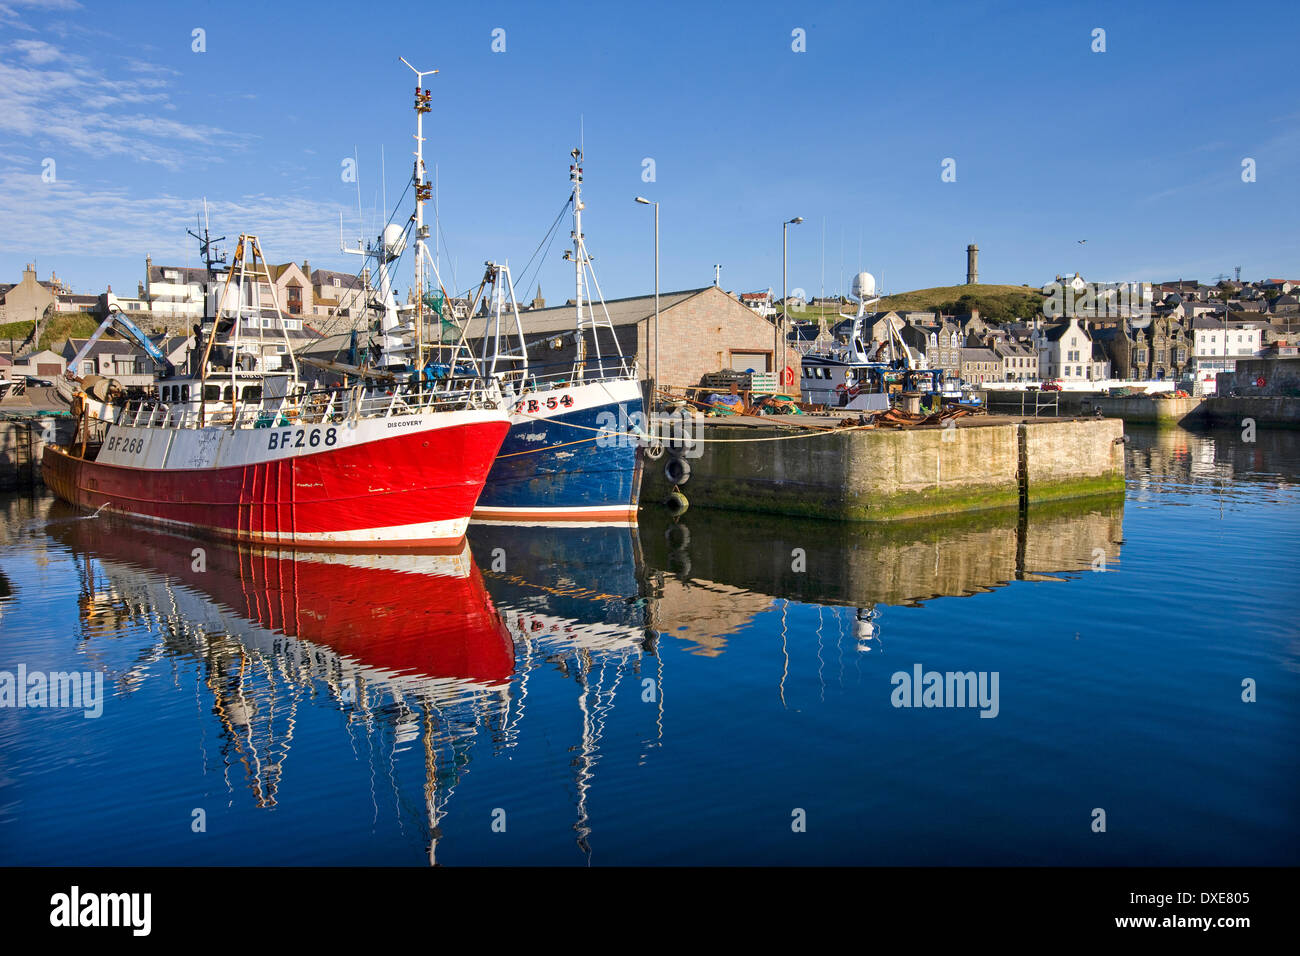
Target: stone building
x,y
979,365
1019,360
1163,351
938,340
28,299
336,293
1169,350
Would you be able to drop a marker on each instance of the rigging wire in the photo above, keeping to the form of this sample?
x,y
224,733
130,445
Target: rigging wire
x,y
548,240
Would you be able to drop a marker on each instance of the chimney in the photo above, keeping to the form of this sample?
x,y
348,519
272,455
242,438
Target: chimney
x,y
972,264
306,268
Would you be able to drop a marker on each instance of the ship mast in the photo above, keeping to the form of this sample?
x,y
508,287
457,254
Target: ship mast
x,y
585,278
578,255
212,258
423,193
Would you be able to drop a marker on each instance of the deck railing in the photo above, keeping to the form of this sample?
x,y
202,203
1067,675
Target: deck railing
x,y
315,407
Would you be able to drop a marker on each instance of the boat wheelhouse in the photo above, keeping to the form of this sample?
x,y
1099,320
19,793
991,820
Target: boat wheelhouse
x,y
846,369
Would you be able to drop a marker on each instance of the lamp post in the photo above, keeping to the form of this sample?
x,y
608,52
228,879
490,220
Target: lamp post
x,y
654,377
785,305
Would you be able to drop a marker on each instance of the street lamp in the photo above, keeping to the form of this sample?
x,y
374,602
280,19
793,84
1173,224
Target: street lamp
x,y
785,316
654,377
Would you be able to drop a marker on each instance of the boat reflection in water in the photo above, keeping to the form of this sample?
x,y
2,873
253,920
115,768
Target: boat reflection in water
x,y
410,644
572,599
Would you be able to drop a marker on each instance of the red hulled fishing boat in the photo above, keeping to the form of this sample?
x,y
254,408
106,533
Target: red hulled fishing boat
x,y
240,448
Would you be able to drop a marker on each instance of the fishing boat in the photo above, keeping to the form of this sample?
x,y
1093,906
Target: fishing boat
x,y
238,447
569,457
846,370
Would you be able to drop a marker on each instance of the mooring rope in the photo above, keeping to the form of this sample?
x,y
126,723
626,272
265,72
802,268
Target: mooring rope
x,y
646,436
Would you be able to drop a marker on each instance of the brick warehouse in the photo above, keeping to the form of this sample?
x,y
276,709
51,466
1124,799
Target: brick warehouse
x,y
701,331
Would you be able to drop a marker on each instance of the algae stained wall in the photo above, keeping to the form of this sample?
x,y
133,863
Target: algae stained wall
x,y
886,474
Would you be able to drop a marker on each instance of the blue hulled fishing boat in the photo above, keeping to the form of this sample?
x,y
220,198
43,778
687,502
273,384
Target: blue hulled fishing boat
x,y
570,456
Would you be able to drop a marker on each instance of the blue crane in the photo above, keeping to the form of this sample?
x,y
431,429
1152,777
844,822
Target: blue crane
x,y
130,330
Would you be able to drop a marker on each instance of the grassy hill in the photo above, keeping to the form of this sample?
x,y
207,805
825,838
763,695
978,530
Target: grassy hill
x,y
58,329
997,303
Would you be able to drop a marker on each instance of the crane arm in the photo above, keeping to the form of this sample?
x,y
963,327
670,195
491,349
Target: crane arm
x,y
117,317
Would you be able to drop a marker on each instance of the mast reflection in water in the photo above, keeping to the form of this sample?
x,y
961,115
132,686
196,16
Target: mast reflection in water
x,y
270,628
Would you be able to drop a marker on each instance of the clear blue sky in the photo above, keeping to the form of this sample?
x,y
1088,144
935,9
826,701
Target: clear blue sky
x,y
1137,149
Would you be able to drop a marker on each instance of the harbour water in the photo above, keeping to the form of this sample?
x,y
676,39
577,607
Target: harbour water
x,y
722,689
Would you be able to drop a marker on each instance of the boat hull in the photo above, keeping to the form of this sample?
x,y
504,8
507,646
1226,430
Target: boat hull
x,y
366,489
553,469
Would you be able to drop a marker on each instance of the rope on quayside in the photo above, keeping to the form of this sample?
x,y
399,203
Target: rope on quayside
x,y
646,436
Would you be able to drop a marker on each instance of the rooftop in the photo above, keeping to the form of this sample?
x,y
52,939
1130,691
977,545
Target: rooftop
x,y
627,311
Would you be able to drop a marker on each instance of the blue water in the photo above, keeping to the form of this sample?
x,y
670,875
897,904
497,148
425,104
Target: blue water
x,y
681,695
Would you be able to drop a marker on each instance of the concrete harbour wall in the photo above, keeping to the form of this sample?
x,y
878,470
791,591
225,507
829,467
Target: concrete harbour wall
x,y
886,474
1269,411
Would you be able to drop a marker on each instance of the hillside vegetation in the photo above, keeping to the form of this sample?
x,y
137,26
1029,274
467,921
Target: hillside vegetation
x,y
58,329
996,303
